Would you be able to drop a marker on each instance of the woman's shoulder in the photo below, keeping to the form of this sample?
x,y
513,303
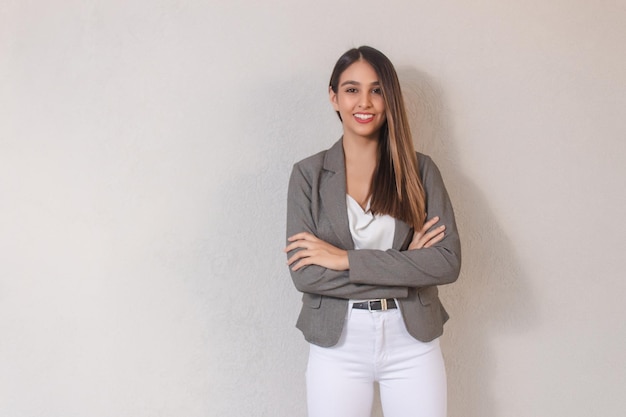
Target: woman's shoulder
x,y
326,158
315,160
308,168
429,172
424,162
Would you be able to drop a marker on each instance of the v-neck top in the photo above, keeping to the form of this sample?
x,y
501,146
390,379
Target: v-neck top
x,y
369,231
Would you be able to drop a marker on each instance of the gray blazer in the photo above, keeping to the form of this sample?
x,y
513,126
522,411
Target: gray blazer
x,y
317,204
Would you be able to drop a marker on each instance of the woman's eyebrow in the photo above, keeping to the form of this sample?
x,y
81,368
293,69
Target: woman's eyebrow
x,y
350,82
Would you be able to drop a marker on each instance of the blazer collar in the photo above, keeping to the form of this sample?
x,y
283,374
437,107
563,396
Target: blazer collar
x,y
334,194
334,160
403,235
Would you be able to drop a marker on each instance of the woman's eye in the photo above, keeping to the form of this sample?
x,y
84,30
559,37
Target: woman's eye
x,y
377,91
351,90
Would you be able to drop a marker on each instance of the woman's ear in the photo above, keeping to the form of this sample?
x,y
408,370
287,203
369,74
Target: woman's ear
x,y
333,98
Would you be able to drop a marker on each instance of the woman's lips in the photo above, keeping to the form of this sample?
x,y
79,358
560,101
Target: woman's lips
x,y
363,117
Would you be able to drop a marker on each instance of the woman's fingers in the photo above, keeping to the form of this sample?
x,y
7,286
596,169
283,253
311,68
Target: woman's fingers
x,y
299,240
302,236
304,262
304,241
428,236
314,251
295,245
436,231
435,239
430,223
298,255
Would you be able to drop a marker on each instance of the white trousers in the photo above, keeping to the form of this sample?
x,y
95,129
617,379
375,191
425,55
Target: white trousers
x,y
376,347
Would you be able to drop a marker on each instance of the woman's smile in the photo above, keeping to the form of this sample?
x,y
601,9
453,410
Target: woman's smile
x,y
364,117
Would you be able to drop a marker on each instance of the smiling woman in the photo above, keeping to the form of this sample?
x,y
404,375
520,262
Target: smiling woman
x,y
359,101
366,257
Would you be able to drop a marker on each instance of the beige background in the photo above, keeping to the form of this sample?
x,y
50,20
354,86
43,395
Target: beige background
x,y
145,148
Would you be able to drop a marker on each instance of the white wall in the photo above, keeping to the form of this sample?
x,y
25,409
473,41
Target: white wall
x,y
145,148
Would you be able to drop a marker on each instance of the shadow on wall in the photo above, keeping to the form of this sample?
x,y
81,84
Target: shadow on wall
x,y
492,298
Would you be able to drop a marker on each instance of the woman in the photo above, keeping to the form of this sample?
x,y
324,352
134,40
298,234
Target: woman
x,y
367,258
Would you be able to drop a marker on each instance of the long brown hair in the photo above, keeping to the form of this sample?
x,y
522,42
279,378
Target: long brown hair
x,y
396,187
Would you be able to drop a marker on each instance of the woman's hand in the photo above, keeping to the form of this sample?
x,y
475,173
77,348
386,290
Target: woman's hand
x,y
314,251
426,237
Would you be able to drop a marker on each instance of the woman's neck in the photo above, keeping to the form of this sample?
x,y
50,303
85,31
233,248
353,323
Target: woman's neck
x,y
361,159
360,150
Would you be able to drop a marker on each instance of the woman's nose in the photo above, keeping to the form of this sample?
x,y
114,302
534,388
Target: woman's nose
x,y
365,100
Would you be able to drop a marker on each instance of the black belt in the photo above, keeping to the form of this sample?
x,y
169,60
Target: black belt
x,y
376,305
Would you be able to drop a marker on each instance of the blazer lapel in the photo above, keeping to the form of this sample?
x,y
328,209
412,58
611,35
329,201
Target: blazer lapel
x,y
402,237
333,193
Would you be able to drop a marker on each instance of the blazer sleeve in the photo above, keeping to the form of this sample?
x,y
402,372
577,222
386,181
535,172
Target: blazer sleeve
x,y
439,264
301,202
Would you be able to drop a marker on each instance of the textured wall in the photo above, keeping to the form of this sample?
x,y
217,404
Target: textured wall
x,y
145,148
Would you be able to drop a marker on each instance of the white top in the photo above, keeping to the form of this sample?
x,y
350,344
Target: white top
x,y
369,231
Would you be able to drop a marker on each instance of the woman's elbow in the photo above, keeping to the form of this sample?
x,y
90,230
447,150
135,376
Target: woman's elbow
x,y
452,269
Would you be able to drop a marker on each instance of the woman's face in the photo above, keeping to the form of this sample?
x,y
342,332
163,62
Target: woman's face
x,y
359,101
